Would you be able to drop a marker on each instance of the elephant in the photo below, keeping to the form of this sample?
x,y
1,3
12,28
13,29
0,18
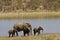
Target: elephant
x,y
12,32
37,30
25,27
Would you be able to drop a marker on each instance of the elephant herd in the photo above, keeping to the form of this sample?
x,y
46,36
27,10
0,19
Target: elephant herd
x,y
25,27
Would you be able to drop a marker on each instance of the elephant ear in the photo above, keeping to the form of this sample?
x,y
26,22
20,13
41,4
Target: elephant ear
x,y
26,28
29,28
29,25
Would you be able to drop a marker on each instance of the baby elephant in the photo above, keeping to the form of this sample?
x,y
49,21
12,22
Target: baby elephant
x,y
37,30
12,32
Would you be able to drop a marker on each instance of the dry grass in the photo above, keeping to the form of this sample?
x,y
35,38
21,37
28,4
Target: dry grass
x,y
29,15
37,37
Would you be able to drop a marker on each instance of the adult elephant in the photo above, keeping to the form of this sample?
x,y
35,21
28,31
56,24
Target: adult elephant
x,y
25,27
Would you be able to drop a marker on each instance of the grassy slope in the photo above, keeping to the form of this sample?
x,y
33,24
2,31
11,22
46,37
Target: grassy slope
x,y
37,37
31,15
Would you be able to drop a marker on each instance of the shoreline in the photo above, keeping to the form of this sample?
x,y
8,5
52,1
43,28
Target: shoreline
x,y
36,37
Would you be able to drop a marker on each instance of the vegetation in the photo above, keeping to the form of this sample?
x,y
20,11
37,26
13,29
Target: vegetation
x,y
25,5
29,15
37,37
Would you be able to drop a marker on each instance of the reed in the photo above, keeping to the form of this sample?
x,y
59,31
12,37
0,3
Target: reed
x,y
37,37
29,15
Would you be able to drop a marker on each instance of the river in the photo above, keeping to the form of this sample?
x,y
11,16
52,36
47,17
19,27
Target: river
x,y
49,25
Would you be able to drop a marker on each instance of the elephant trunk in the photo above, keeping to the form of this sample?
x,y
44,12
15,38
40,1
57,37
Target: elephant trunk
x,y
31,31
16,33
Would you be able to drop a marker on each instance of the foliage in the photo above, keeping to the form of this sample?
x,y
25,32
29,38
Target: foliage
x,y
32,4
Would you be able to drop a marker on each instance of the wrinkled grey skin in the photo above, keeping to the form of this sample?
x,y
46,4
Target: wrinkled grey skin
x,y
37,30
25,27
12,32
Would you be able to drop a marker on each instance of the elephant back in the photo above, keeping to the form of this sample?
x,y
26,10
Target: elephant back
x,y
12,31
21,26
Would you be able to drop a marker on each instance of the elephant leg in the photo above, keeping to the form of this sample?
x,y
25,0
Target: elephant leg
x,y
28,34
9,34
12,35
24,33
30,31
17,33
34,33
38,32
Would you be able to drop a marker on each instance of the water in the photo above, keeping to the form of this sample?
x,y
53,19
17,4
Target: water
x,y
49,25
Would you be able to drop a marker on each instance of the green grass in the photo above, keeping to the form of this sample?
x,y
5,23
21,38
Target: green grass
x,y
29,15
37,37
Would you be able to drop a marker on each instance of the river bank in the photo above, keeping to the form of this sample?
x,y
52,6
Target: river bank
x,y
29,15
37,37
